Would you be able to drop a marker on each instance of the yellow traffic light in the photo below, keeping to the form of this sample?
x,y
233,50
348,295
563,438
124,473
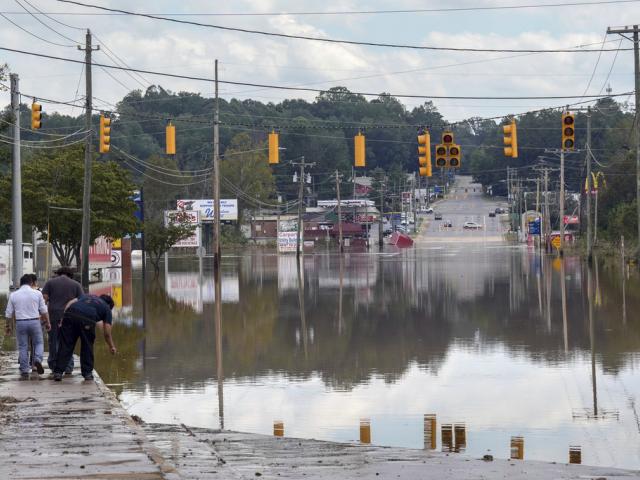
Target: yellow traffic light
x,y
274,153
36,116
170,139
447,137
358,149
441,155
105,134
454,156
568,131
424,154
510,140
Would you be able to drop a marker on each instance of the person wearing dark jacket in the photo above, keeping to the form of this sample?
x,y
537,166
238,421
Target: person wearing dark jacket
x,y
57,293
81,316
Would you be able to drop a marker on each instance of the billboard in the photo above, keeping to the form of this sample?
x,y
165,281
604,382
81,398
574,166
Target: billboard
x,y
228,208
100,253
189,216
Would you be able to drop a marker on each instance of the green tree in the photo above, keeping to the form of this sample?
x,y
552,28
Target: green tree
x,y
52,187
159,238
246,174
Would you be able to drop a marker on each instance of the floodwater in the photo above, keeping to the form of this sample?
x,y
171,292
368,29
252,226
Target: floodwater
x,y
476,336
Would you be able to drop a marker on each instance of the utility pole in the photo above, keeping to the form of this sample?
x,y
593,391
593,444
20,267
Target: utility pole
x,y
86,194
381,220
636,63
339,212
561,249
216,173
16,185
547,219
588,187
300,235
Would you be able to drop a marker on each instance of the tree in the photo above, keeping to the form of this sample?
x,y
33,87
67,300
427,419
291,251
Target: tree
x,y
246,174
52,187
159,238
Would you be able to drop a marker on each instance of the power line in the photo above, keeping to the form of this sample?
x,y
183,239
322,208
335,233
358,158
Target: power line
x,y
33,34
325,40
50,17
312,90
366,12
45,24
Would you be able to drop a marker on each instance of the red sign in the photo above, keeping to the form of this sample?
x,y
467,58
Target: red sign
x,y
571,219
100,252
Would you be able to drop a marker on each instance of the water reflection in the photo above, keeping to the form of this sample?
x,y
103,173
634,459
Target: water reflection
x,y
496,342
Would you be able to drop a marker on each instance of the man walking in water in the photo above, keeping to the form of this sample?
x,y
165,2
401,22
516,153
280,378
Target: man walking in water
x,y
57,293
79,321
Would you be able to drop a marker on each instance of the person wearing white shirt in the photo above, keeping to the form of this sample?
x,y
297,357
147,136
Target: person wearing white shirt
x,y
27,308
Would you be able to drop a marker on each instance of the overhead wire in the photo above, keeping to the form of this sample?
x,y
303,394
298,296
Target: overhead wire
x,y
50,17
320,39
33,34
45,24
314,90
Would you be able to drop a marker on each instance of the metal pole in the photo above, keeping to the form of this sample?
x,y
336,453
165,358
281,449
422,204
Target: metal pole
x,y
588,187
300,200
636,64
339,212
547,220
16,185
381,219
216,173
86,194
561,250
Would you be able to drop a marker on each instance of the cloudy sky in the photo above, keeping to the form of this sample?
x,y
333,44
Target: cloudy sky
x,y
190,50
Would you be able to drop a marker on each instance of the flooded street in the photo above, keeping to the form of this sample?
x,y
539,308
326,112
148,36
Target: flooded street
x,y
476,336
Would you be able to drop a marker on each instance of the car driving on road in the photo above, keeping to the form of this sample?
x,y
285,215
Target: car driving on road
x,y
471,225
437,216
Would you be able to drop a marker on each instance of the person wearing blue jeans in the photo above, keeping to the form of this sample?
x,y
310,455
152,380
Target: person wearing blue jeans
x,y
26,308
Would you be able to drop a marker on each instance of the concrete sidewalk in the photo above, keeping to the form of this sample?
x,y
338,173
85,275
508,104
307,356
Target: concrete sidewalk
x,y
69,430
78,430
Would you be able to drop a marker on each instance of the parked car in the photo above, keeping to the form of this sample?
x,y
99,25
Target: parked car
x,y
437,216
471,225
492,214
500,210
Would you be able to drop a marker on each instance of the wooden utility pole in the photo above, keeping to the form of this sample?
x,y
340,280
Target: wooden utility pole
x,y
588,188
16,186
86,194
300,235
216,174
561,249
547,218
381,219
339,212
636,63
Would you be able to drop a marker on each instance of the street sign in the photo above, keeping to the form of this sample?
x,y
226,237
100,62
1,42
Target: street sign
x,y
191,217
555,241
534,227
571,219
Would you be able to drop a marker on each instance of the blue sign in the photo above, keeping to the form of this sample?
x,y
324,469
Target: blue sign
x,y
437,189
534,227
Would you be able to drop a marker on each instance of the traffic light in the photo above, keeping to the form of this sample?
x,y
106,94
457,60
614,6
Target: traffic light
x,y
568,131
105,134
170,140
510,140
454,156
447,138
274,153
36,114
441,155
358,149
424,154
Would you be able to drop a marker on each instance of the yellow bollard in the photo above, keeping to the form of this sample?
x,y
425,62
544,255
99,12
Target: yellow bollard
x,y
365,430
430,431
575,454
517,448
278,428
447,438
460,431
